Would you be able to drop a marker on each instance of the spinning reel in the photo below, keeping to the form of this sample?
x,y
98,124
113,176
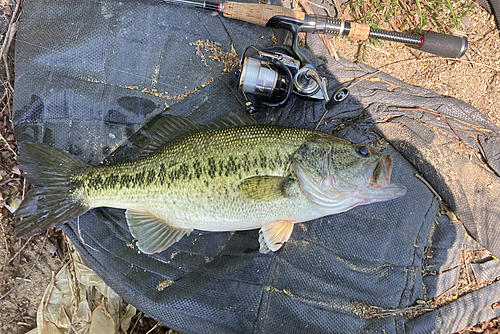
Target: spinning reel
x,y
269,77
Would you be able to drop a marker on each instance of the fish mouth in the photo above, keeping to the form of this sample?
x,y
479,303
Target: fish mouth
x,y
382,171
379,176
336,196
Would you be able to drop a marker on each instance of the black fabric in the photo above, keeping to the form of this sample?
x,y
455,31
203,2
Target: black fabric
x,y
90,75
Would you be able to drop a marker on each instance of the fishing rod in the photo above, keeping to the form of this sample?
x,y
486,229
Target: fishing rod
x,y
443,45
274,76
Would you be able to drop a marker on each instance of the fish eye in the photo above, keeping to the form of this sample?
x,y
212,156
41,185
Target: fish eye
x,y
363,151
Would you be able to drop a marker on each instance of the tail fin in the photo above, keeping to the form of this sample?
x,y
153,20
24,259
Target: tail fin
x,y
52,201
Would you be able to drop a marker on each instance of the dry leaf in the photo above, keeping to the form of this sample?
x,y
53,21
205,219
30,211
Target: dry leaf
x,y
98,310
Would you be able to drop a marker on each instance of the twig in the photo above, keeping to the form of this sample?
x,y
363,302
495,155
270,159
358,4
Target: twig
x,y
433,112
443,295
436,114
363,78
443,24
491,31
321,120
73,287
138,318
9,36
455,131
475,63
3,97
424,181
51,288
6,181
473,273
24,189
80,234
8,145
19,251
29,272
366,311
9,102
320,6
154,327
465,263
6,252
6,40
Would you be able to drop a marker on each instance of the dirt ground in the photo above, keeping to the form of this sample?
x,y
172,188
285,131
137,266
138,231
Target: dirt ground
x,y
474,78
27,266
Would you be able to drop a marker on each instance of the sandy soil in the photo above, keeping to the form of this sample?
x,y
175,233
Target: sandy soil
x,y
474,78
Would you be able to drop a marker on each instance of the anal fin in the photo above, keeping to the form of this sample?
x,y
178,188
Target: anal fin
x,y
153,234
273,235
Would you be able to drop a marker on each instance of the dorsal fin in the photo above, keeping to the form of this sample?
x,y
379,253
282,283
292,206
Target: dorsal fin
x,y
164,128
232,119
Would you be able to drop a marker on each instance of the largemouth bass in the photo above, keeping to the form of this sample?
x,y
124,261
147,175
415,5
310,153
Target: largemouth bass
x,y
229,175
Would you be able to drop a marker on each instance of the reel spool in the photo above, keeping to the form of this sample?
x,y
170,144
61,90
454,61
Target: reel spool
x,y
268,78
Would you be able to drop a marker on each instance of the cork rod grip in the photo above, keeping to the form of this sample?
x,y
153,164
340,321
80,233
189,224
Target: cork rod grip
x,y
258,14
359,31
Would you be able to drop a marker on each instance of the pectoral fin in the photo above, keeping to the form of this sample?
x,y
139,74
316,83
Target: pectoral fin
x,y
153,234
273,235
264,188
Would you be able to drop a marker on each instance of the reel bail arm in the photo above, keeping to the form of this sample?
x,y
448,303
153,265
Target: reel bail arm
x,y
307,71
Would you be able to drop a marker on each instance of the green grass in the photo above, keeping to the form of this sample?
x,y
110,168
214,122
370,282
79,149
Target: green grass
x,y
414,17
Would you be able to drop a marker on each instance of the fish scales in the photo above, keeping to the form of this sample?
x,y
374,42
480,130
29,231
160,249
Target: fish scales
x,y
225,176
195,174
